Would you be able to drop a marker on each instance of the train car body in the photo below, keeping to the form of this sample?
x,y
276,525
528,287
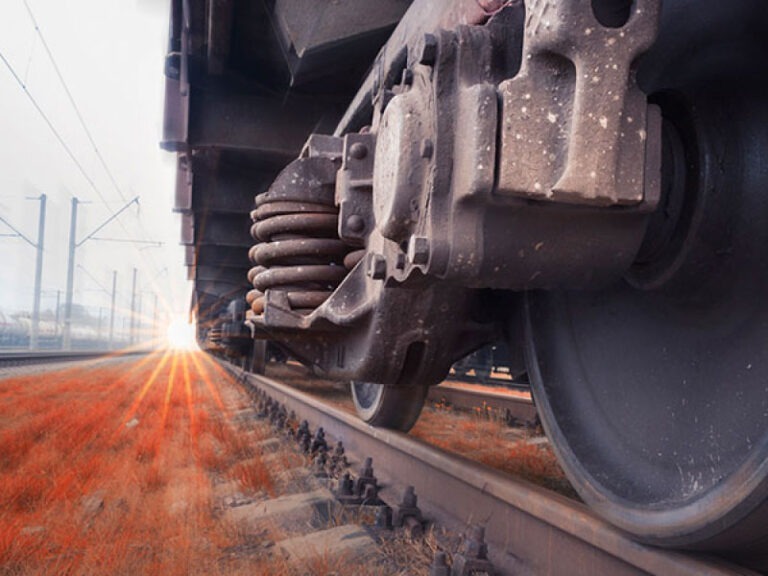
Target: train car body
x,y
385,186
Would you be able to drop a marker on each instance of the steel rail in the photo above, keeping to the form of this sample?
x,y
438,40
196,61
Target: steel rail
x,y
27,358
503,405
529,530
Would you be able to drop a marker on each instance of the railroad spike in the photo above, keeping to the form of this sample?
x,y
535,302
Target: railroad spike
x,y
408,514
384,518
473,556
439,565
365,477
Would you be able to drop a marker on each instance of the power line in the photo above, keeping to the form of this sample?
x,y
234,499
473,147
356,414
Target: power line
x,y
150,260
51,126
73,103
76,108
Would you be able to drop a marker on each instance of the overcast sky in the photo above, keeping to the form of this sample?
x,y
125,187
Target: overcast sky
x,y
110,53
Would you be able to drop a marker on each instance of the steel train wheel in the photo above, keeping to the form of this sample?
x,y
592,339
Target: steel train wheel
x,y
655,391
392,407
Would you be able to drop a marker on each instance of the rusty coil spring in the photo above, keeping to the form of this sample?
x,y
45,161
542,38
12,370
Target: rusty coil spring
x,y
299,252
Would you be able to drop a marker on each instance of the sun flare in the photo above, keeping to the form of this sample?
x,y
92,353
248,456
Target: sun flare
x,y
181,335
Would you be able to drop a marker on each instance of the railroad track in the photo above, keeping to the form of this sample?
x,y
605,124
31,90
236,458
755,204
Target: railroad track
x,y
498,404
528,530
27,358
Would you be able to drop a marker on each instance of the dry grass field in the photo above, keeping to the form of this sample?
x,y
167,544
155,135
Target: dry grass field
x,y
116,467
477,435
110,470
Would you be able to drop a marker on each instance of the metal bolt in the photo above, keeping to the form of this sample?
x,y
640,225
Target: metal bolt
x,y
425,50
409,498
371,495
355,223
377,267
384,517
473,556
358,150
345,485
367,469
439,565
418,250
427,148
413,527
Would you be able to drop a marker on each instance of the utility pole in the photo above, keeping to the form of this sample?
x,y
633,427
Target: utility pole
x,y
66,342
58,303
35,328
133,309
35,335
98,330
73,245
154,319
112,311
139,319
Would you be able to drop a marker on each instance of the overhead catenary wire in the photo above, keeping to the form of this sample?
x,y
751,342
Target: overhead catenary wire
x,y
82,121
147,260
72,101
60,139
50,125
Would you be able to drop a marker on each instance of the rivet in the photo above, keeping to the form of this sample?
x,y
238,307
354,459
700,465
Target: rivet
x,y
355,223
358,151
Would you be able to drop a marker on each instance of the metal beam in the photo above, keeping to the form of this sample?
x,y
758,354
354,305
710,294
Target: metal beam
x,y
222,118
220,14
325,39
223,256
423,16
224,230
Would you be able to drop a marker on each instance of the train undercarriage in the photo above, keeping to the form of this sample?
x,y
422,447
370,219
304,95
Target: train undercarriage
x,y
384,186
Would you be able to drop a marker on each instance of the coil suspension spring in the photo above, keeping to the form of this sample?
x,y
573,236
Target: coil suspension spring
x,y
298,250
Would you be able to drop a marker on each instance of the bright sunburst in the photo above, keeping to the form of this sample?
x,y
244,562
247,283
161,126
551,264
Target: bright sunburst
x,y
181,334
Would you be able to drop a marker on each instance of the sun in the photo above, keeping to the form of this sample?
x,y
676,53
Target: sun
x,y
181,334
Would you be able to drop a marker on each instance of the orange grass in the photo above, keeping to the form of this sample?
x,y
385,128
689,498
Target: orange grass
x,y
107,469
253,475
480,435
476,437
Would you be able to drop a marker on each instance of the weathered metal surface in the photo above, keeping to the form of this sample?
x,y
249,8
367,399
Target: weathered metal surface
x,y
189,256
434,176
223,230
220,24
221,117
423,16
320,37
418,190
187,229
298,254
183,196
223,257
575,123
528,530
8,359
229,190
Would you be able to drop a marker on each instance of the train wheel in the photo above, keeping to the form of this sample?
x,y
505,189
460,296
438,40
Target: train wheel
x,y
392,407
655,391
